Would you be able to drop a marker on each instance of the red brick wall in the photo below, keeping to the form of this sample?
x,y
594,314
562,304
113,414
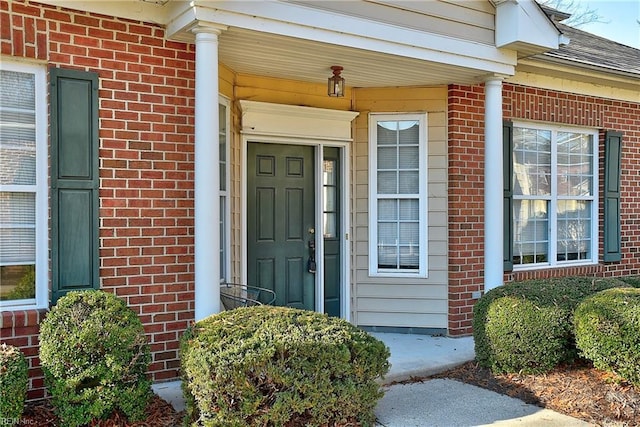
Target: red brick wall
x,y
146,164
20,328
466,169
466,203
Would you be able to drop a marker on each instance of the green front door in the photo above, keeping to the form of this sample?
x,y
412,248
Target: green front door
x,y
281,221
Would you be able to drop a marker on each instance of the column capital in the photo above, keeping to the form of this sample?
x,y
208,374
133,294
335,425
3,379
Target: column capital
x,y
207,28
489,78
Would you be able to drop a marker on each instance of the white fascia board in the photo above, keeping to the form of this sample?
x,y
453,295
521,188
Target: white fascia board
x,y
180,24
522,21
293,20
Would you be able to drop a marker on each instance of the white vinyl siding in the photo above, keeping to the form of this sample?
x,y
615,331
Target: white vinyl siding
x,y
469,20
397,300
23,186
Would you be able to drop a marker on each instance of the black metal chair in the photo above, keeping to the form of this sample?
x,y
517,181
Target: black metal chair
x,y
234,295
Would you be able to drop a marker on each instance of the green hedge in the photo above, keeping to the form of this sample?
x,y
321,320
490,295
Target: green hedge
x,y
526,337
95,356
607,328
275,366
527,326
633,281
13,384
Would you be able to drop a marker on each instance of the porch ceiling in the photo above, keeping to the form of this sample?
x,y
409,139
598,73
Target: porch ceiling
x,y
252,52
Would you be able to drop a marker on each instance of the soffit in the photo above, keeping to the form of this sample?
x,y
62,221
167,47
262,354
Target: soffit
x,y
264,54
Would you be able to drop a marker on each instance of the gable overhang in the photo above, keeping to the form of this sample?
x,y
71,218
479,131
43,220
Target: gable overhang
x,y
522,25
294,20
280,37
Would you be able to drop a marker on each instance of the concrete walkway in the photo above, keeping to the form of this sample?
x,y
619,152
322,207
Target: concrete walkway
x,y
437,402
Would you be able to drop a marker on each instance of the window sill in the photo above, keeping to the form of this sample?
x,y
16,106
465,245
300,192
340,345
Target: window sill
x,y
531,267
399,275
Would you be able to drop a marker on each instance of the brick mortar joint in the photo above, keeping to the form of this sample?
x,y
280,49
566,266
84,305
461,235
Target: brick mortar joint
x,y
8,318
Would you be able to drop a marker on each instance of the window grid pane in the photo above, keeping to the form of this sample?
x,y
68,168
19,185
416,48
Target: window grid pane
x,y
330,209
574,230
17,90
531,231
17,208
575,160
18,123
18,282
17,245
531,162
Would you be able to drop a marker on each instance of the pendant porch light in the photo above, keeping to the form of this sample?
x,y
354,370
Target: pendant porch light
x,y
335,84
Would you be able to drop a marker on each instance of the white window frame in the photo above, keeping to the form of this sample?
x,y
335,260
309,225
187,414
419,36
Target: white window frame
x,y
225,199
40,188
553,199
374,271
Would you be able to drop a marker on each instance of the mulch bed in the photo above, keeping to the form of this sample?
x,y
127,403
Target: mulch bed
x,y
160,413
578,390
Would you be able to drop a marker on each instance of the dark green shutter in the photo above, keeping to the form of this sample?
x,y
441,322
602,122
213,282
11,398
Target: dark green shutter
x,y
507,191
74,181
613,157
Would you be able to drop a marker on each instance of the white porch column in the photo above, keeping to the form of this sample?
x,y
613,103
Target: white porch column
x,y
493,192
207,176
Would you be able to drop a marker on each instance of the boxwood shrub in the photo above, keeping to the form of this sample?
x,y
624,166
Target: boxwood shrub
x,y
276,366
631,281
512,322
13,384
527,326
95,356
607,328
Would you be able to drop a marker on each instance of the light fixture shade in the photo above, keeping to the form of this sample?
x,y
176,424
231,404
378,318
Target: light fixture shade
x,y
335,83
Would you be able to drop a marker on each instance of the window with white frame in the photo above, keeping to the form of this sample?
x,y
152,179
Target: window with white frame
x,y
23,186
554,196
224,120
398,195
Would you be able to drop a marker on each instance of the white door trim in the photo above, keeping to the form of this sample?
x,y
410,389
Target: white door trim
x,y
273,125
